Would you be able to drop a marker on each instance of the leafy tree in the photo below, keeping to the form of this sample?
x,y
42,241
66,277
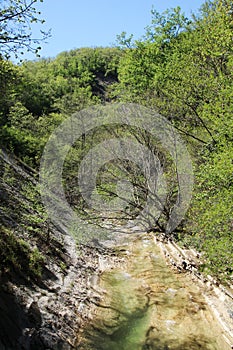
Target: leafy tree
x,y
166,26
122,41
16,20
38,95
184,69
9,80
142,66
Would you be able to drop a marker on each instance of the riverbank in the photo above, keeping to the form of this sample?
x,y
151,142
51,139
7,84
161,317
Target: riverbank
x,y
217,296
49,314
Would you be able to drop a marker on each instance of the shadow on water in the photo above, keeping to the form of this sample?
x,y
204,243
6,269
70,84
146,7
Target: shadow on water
x,y
147,306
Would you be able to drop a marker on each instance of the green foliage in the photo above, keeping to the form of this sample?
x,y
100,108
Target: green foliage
x,y
37,96
16,19
123,41
184,70
166,26
18,257
9,78
141,69
70,82
22,144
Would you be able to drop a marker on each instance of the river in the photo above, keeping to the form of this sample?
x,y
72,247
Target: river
x,y
147,305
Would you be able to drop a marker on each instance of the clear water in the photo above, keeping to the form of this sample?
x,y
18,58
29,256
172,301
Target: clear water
x,y
147,305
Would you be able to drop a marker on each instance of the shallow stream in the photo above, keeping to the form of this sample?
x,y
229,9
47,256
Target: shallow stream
x,y
147,305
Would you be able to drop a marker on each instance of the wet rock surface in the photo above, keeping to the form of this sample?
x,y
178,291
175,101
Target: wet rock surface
x,y
147,305
32,317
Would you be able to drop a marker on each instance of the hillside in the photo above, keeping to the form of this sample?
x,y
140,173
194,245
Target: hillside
x,y
45,295
179,77
44,279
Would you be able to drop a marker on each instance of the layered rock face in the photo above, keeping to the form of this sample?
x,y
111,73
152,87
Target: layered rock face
x,y
45,294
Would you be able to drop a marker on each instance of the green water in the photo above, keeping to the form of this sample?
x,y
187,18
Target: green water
x,y
146,305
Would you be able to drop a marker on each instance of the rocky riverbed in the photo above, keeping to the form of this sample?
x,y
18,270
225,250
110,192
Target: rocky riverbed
x,y
50,314
156,299
133,292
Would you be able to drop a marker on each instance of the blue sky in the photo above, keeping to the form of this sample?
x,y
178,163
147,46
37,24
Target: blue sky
x,y
90,23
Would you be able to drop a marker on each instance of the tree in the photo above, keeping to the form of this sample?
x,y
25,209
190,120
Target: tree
x,y
143,63
9,79
122,41
184,70
16,20
166,26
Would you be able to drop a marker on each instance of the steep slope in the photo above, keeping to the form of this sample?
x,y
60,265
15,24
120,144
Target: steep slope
x,y
44,297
